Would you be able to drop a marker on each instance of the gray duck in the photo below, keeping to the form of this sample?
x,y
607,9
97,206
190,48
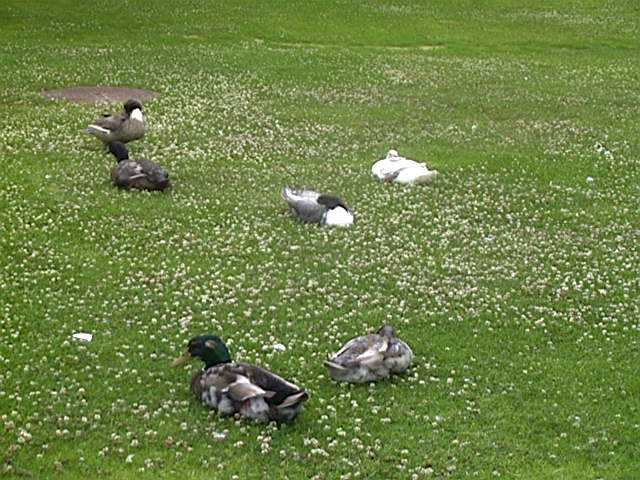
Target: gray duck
x,y
370,357
138,173
123,126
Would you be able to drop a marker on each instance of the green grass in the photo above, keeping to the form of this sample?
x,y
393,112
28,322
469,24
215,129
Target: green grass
x,y
514,276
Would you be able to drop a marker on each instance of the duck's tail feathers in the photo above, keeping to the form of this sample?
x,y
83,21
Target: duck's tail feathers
x,y
333,365
294,399
285,192
95,129
427,176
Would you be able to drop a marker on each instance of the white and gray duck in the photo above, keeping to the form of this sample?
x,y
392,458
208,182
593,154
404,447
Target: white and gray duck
x,y
237,387
123,126
370,357
399,169
312,206
138,173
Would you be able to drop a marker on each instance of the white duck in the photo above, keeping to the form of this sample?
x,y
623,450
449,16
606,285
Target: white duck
x,y
395,168
312,206
370,357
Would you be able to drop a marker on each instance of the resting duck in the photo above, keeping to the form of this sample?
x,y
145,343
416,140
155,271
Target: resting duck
x,y
324,208
137,172
124,126
234,387
394,168
370,357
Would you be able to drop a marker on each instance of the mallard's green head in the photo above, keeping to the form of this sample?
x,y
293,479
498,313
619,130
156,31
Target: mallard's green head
x,y
208,348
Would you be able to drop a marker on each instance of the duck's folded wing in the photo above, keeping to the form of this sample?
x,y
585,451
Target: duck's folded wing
x,y
359,347
308,209
110,121
270,382
242,390
126,172
371,358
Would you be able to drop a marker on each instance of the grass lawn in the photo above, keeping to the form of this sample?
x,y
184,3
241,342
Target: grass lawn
x,y
514,276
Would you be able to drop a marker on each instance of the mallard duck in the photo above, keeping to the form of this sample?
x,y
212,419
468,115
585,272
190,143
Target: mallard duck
x,y
236,387
124,126
395,168
324,208
136,172
370,357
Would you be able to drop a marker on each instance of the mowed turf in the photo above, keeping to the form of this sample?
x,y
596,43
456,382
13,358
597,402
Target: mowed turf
x,y
513,276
